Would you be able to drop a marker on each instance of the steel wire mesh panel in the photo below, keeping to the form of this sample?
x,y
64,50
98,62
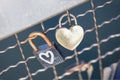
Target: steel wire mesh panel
x,y
100,46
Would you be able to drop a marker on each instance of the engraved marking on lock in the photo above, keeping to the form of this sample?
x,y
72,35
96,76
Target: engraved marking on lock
x,y
48,54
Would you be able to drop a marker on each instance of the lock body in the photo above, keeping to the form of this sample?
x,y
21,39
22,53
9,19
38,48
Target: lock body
x,y
48,56
69,38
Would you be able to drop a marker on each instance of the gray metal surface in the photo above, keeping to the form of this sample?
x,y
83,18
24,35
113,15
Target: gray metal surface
x,y
16,15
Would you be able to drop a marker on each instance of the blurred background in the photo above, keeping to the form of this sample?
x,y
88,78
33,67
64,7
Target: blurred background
x,y
108,22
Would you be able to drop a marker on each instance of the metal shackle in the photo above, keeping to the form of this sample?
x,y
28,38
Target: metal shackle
x,y
42,35
60,20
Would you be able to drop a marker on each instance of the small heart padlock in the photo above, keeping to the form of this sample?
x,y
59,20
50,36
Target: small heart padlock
x,y
47,54
69,38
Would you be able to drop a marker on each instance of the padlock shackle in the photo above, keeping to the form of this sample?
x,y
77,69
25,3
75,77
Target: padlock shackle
x,y
42,35
60,20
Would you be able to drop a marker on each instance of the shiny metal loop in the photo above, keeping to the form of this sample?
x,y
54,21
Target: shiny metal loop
x,y
60,20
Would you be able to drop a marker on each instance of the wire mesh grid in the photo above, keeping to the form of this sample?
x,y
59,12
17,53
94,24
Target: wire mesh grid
x,y
18,62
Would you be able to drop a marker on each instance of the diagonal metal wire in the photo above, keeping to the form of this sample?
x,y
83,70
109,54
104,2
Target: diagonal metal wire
x,y
8,48
109,21
23,57
97,39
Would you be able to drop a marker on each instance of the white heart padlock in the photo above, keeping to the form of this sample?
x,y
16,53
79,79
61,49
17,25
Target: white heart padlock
x,y
69,38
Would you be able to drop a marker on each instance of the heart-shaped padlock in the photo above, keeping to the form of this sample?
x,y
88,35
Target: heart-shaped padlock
x,y
69,38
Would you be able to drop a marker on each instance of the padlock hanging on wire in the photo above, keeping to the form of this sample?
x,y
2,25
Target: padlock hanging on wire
x,y
47,54
69,38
